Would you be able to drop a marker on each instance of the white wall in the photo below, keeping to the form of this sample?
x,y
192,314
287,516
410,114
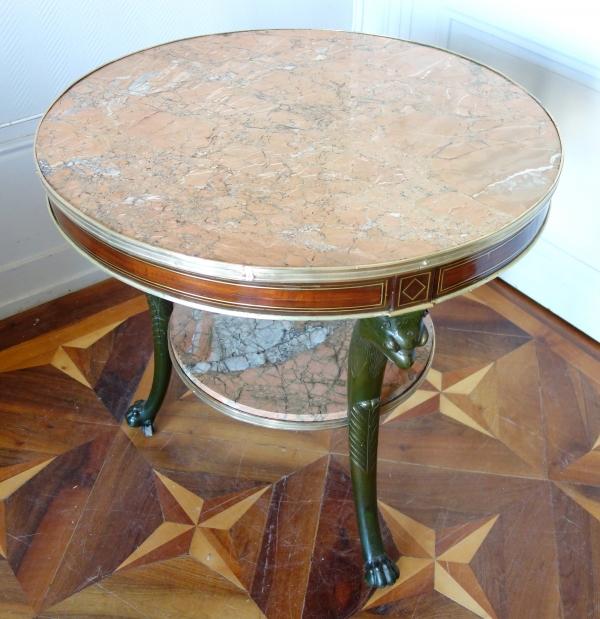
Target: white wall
x,y
550,47
45,45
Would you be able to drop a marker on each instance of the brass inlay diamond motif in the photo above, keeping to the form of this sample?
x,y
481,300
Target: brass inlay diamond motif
x,y
414,289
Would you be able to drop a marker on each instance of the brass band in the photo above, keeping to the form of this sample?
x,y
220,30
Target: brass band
x,y
397,293
222,406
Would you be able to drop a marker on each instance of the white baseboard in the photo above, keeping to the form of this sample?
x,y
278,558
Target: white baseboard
x,y
563,284
57,269
62,270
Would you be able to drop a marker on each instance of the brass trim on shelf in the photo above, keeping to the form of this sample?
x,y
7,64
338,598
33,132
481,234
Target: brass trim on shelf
x,y
292,425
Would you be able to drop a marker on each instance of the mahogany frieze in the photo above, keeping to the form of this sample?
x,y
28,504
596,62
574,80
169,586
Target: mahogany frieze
x,y
348,298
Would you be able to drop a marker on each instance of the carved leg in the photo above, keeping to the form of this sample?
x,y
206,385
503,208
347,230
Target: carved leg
x,y
143,412
374,340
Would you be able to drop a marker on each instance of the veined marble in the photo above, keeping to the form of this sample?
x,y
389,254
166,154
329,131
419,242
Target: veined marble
x,y
278,370
299,148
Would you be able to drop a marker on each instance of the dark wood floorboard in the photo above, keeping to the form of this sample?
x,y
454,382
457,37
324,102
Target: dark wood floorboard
x,y
64,311
545,316
489,479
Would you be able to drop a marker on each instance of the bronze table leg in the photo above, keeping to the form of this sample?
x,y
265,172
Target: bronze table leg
x,y
143,412
374,340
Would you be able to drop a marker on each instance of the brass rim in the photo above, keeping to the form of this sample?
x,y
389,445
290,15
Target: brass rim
x,y
246,273
298,314
294,425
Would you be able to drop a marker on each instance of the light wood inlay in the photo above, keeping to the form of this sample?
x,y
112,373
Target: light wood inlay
x,y
226,519
500,526
192,504
165,533
8,486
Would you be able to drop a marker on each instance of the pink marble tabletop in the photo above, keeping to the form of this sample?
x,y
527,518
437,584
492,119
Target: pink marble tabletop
x,y
299,148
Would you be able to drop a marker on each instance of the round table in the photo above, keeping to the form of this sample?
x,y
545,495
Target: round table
x,y
271,184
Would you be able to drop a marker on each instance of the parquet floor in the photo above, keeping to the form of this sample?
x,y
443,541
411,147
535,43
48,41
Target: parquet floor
x,y
489,480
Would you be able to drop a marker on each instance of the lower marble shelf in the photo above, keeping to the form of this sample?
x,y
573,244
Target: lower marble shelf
x,y
278,373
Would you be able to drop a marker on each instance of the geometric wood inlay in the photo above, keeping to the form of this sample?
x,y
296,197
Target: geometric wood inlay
x,y
11,484
456,583
446,406
414,289
590,506
227,518
211,542
191,504
493,511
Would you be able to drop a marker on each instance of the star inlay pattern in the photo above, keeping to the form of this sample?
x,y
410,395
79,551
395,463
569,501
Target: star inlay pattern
x,y
450,398
436,560
199,528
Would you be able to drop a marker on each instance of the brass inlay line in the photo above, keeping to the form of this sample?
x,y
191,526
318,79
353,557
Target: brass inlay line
x,y
465,282
383,285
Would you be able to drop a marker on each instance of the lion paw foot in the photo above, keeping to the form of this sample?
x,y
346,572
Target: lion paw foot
x,y
135,414
381,572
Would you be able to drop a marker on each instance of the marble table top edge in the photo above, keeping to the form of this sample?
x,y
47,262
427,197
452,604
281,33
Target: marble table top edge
x,y
308,275
341,31
249,273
